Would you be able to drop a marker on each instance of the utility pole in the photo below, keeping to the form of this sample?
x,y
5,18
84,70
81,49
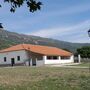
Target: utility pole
x,y
89,60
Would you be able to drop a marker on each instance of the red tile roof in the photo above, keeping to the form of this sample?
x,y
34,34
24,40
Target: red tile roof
x,y
45,50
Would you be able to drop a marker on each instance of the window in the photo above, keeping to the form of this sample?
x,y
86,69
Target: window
x,y
18,58
65,57
55,57
5,59
52,57
49,57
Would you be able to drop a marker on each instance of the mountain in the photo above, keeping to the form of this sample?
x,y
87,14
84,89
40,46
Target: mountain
x,y
8,39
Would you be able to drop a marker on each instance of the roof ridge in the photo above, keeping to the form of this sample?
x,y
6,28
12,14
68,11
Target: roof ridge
x,y
38,49
22,46
25,47
40,45
43,46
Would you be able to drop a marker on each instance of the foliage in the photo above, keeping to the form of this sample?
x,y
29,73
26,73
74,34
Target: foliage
x,y
84,51
33,5
1,25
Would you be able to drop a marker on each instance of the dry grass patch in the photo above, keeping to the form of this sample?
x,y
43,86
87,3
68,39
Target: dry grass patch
x,y
44,78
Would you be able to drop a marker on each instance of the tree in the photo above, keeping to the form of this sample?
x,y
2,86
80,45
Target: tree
x,y
32,5
1,25
84,52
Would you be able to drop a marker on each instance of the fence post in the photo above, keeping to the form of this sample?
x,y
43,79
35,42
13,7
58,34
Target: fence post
x,y
79,58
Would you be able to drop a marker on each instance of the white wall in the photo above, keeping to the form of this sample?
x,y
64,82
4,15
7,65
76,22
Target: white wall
x,y
58,61
39,62
22,53
71,60
24,56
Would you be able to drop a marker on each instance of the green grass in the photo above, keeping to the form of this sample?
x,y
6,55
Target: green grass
x,y
83,64
44,78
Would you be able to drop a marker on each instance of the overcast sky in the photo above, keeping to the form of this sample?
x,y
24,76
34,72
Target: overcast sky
x,y
67,20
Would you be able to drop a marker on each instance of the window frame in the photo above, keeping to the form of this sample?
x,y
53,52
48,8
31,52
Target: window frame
x,y
65,57
18,58
5,59
55,57
49,57
52,57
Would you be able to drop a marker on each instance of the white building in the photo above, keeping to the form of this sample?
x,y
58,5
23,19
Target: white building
x,y
27,54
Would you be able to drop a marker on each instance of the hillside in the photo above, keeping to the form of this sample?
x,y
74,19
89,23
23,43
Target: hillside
x,y
11,38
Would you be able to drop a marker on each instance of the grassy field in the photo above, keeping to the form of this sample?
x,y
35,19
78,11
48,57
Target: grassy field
x,y
83,64
44,78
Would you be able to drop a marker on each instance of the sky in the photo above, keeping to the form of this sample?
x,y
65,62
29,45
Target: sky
x,y
66,20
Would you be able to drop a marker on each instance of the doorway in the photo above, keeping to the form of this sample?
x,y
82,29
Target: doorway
x,y
33,62
12,61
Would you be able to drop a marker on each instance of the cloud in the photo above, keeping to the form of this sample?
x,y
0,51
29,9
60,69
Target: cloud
x,y
20,22
72,9
70,33
76,9
62,30
18,17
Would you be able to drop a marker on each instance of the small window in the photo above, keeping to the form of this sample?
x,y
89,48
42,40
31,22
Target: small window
x,y
49,57
52,57
55,57
5,59
65,57
18,58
